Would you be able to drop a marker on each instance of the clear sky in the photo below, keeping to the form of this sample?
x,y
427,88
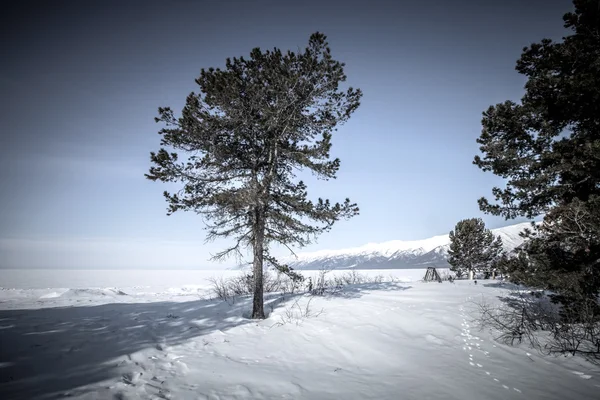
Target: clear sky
x,y
81,82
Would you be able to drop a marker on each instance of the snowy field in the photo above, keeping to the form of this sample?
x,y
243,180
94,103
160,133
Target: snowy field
x,y
153,335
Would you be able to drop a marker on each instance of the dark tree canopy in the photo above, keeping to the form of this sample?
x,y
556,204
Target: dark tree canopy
x,y
548,145
240,141
548,148
472,247
562,254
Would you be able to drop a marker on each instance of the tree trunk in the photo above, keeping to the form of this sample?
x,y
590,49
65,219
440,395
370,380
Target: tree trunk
x,y
470,274
258,311
493,274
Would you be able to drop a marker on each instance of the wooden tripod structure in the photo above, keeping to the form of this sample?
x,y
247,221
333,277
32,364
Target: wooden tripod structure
x,y
432,275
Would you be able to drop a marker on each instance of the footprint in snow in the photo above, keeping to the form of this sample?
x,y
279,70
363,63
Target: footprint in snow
x,y
517,390
471,364
505,387
496,380
487,372
480,366
582,375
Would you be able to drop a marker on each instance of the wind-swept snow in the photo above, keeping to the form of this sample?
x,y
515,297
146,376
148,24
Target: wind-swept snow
x,y
408,340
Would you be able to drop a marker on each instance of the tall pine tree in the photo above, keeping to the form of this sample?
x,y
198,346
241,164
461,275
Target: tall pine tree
x,y
547,147
239,142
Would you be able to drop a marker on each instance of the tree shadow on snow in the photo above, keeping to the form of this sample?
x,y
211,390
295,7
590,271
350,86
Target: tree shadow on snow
x,y
503,285
46,353
358,290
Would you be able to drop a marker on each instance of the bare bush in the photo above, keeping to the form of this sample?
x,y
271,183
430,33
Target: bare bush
x,y
516,320
220,288
297,314
577,331
527,316
352,278
321,283
228,289
243,285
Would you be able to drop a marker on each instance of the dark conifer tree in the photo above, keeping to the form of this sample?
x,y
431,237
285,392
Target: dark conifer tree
x,y
239,142
547,147
472,247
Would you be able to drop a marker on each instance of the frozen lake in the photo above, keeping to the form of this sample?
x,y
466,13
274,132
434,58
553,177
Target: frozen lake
x,y
29,288
159,279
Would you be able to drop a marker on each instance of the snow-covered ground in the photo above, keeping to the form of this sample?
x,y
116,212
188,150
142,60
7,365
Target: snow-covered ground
x,y
138,337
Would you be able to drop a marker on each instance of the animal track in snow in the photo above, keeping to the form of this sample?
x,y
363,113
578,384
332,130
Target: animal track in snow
x,y
582,375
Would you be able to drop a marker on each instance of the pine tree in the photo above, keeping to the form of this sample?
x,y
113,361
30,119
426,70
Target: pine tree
x,y
242,139
473,248
547,147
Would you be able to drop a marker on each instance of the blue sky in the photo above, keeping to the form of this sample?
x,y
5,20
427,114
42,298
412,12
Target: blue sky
x,y
81,84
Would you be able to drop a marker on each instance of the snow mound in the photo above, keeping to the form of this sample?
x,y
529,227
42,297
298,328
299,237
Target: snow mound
x,y
87,293
53,295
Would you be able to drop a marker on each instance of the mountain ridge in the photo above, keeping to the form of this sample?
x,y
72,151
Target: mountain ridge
x,y
396,254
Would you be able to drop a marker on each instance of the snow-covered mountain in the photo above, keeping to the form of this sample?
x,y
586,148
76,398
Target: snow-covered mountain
x,y
395,254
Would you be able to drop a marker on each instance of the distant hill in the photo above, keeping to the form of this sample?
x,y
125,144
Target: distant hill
x,y
396,254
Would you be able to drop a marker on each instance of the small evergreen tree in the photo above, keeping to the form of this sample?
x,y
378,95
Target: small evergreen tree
x,y
472,247
253,125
